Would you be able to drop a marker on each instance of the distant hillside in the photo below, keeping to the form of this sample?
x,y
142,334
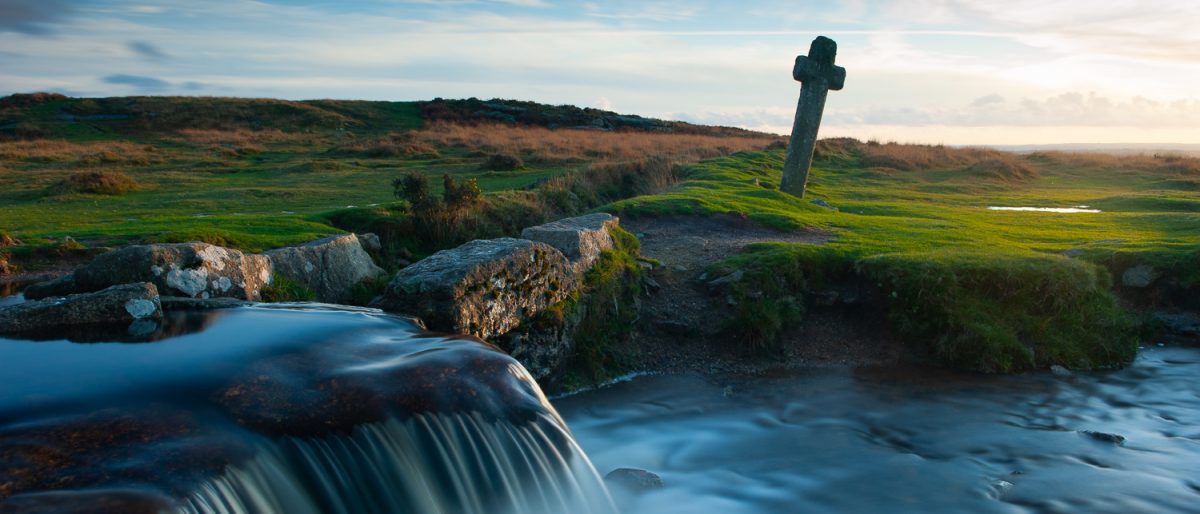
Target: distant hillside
x,y
39,115
1107,148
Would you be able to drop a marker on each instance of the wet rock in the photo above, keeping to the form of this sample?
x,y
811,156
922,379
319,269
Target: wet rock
x,y
93,450
58,286
634,480
195,270
103,501
170,303
544,350
329,267
1060,371
580,239
1104,436
128,303
1139,276
1184,324
484,288
336,388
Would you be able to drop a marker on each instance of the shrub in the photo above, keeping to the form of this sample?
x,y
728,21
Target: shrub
x,y
459,195
98,182
502,162
413,187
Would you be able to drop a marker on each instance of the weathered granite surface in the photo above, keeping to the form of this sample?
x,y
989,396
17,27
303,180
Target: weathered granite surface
x,y
580,239
125,303
483,288
195,270
330,267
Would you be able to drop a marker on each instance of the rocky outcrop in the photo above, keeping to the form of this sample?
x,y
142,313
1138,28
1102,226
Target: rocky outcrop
x,y
330,267
484,288
128,303
195,270
1181,324
580,239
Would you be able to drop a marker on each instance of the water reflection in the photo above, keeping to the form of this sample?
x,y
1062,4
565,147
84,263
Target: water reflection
x,y
906,440
173,324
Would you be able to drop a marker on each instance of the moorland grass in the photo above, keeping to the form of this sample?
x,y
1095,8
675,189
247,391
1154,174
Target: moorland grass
x,y
969,287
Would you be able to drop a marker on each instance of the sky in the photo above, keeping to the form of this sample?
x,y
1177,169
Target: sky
x,y
927,71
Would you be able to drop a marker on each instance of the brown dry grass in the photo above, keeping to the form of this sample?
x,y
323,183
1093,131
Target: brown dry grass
x,y
84,153
911,157
543,144
98,182
240,137
1183,165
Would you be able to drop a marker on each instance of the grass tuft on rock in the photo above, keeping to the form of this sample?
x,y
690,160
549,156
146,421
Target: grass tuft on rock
x,y
283,289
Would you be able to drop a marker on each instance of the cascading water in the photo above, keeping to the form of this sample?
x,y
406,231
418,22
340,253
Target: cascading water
x,y
302,409
430,463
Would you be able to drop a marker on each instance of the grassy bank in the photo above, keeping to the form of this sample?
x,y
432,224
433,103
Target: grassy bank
x,y
967,286
257,174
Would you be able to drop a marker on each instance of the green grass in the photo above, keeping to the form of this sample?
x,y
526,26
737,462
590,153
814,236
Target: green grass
x,y
968,287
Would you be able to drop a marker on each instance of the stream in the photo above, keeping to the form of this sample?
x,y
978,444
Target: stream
x,y
905,440
204,398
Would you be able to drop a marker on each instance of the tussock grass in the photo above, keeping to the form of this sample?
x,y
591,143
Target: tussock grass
x,y
111,183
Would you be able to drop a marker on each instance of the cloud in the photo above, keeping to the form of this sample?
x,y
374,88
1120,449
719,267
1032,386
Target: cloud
x,y
138,82
987,100
1066,109
147,50
34,17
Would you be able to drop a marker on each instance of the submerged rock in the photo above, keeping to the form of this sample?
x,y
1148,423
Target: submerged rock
x,y
330,267
634,480
1104,437
580,239
1184,324
128,303
483,288
195,270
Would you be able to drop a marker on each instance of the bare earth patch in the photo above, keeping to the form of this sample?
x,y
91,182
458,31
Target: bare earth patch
x,y
680,326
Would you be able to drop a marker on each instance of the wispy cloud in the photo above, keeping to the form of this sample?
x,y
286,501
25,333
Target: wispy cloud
x,y
138,82
33,16
147,50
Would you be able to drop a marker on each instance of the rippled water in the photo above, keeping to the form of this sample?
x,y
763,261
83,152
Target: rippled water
x,y
905,441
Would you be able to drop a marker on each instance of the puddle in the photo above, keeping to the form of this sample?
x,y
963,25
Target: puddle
x,y
1068,210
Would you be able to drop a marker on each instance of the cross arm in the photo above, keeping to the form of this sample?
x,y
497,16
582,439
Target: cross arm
x,y
810,70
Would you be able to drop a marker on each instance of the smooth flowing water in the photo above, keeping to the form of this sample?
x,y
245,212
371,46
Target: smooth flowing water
x,y
906,441
295,410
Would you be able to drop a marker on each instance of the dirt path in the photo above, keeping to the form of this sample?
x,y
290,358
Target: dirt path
x,y
680,326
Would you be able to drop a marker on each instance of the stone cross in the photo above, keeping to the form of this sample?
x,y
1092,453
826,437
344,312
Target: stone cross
x,y
817,74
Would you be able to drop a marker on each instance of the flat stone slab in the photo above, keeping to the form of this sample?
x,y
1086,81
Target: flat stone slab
x,y
580,239
483,288
127,303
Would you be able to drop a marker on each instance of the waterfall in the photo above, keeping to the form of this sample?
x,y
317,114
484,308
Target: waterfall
x,y
427,463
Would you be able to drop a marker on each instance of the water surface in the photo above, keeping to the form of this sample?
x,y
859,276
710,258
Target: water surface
x,y
914,441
